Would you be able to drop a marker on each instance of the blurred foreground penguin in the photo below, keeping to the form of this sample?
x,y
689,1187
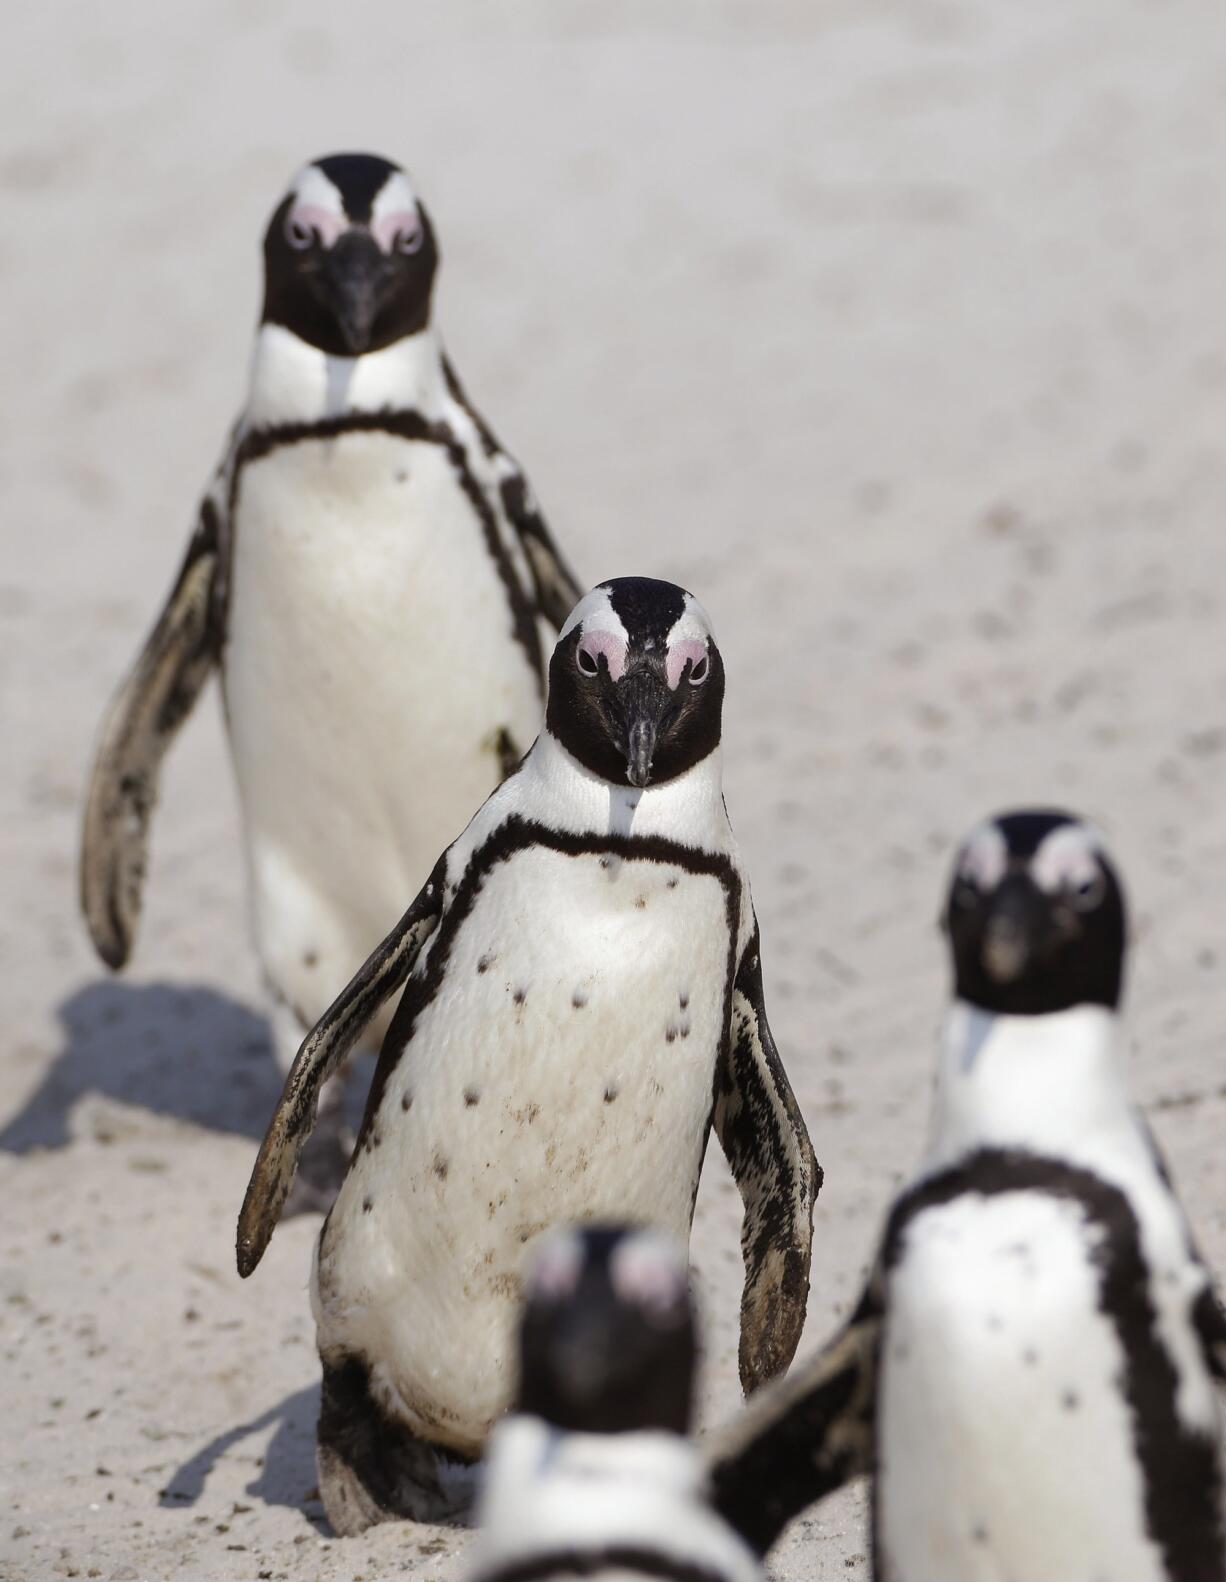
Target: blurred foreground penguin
x,y
1030,1373
369,576
583,1002
592,1475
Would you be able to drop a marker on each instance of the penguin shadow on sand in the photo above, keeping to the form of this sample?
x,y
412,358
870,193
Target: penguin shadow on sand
x,y
286,1474
178,1050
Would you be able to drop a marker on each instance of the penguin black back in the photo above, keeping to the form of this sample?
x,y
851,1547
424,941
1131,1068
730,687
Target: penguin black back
x,y
607,1337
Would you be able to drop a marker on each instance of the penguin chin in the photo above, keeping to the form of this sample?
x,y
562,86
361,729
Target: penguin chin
x,y
1005,956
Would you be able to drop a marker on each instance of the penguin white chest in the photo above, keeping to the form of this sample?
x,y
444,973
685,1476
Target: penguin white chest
x,y
370,672
560,1068
1006,1444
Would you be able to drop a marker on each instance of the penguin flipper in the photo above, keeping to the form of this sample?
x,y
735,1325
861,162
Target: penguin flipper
x,y
1209,1316
557,591
143,719
763,1135
802,1438
322,1051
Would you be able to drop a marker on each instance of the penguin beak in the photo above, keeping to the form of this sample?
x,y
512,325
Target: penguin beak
x,y
1012,932
354,283
646,699
581,1360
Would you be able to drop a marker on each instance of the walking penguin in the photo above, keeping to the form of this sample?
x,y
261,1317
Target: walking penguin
x,y
369,576
1029,1376
592,1475
583,1003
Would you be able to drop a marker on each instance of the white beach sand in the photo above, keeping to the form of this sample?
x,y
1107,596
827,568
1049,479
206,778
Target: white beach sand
x,y
894,330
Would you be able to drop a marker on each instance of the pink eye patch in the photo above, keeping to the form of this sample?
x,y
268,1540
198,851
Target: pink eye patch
x,y
593,644
310,217
692,651
557,1266
389,228
646,1273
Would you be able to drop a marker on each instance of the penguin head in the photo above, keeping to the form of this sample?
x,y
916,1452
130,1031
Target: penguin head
x,y
636,683
349,256
607,1340
1035,916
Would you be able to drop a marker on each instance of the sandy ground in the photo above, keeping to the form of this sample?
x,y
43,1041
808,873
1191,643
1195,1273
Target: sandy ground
x,y
892,329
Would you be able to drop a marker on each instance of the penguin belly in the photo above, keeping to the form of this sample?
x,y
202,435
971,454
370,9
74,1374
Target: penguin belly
x,y
370,669
1006,1446
562,1071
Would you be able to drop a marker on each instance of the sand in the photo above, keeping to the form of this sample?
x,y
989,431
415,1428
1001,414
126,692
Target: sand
x,y
893,330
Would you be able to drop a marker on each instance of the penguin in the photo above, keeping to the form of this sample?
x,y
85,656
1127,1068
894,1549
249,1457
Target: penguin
x,y
593,1475
582,1002
372,580
1029,1375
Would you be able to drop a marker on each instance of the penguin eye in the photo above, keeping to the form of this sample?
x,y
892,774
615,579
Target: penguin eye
x,y
699,671
1087,893
587,661
410,240
299,235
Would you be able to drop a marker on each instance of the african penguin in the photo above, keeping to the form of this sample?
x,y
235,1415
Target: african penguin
x,y
369,575
583,1003
1030,1373
592,1474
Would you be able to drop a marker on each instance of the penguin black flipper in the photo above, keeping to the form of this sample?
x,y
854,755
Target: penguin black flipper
x,y
557,591
763,1135
322,1052
1209,1316
802,1438
144,718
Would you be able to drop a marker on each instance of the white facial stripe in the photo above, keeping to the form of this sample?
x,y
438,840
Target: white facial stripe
x,y
394,212
687,640
395,196
1068,856
595,613
984,857
692,625
556,1265
647,1271
313,189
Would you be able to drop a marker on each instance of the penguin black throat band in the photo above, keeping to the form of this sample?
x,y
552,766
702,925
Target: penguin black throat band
x,y
410,425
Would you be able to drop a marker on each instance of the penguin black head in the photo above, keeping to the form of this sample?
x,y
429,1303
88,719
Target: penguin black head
x,y
1035,916
349,256
607,1341
636,683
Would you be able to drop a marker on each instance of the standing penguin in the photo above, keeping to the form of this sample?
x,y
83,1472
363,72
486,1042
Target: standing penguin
x,y
583,1002
369,575
592,1475
1029,1375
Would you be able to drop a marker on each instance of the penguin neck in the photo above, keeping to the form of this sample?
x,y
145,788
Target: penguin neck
x,y
294,382
1050,1084
650,1456
689,809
